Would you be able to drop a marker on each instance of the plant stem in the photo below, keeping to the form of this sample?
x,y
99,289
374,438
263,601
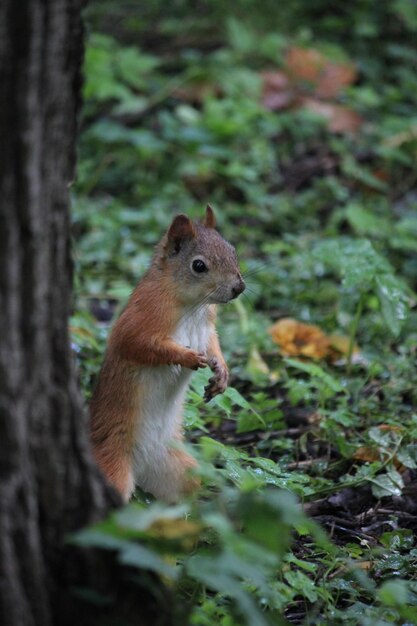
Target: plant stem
x,y
353,331
242,315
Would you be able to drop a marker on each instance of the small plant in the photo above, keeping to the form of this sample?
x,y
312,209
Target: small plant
x,y
365,272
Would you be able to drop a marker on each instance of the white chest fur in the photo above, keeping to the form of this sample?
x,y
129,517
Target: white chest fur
x,y
163,389
193,329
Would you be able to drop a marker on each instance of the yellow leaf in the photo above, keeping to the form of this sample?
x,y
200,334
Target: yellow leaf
x,y
299,339
308,340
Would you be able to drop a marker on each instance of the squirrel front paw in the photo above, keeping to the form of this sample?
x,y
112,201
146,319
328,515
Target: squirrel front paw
x,y
193,360
218,383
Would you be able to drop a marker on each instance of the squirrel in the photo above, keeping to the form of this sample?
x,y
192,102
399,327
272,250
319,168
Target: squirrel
x,y
166,330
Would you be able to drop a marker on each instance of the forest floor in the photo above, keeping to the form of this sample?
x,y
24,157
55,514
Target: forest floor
x,y
305,145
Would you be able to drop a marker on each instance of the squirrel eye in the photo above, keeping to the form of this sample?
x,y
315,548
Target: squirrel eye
x,y
199,266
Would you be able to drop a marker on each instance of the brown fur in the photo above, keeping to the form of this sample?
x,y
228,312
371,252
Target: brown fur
x,y
142,338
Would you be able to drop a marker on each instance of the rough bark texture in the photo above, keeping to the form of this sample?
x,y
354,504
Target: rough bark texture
x,y
48,485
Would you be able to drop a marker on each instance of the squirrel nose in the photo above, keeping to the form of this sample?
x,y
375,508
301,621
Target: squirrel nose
x,y
237,289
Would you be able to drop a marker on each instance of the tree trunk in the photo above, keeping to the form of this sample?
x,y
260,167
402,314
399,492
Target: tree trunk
x,y
48,484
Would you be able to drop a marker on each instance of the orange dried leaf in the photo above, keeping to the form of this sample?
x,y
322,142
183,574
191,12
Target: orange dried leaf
x,y
299,339
367,454
308,340
275,80
339,118
277,92
334,79
390,427
326,77
305,64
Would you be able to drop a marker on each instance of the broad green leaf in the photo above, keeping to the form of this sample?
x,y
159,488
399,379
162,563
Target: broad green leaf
x,y
130,553
355,259
390,484
393,592
304,585
139,518
315,371
366,222
407,455
223,573
141,557
394,302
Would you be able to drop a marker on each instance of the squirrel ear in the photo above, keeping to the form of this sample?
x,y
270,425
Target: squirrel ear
x,y
210,219
180,230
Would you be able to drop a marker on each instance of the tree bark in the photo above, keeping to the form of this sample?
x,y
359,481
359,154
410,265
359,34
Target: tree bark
x,y
49,486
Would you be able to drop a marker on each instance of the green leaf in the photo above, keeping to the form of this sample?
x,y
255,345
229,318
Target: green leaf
x,y
355,259
315,371
407,455
398,539
393,593
366,222
394,302
390,484
145,558
138,518
223,573
303,584
130,552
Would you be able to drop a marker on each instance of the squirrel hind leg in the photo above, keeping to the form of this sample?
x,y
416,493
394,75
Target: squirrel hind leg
x,y
125,485
118,472
171,477
182,464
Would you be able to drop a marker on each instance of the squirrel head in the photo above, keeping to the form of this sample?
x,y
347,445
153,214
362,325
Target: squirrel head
x,y
202,265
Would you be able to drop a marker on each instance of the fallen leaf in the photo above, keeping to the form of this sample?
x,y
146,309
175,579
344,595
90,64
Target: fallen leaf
x,y
305,64
339,119
390,427
277,91
334,78
276,80
308,71
308,340
327,79
368,454
299,339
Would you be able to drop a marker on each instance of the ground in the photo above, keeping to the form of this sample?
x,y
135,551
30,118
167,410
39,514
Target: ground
x,y
300,128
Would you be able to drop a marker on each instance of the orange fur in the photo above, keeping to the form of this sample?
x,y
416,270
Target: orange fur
x,y
142,348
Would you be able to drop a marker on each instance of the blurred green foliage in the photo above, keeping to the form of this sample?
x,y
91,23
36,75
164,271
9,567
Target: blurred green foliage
x,y
325,224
